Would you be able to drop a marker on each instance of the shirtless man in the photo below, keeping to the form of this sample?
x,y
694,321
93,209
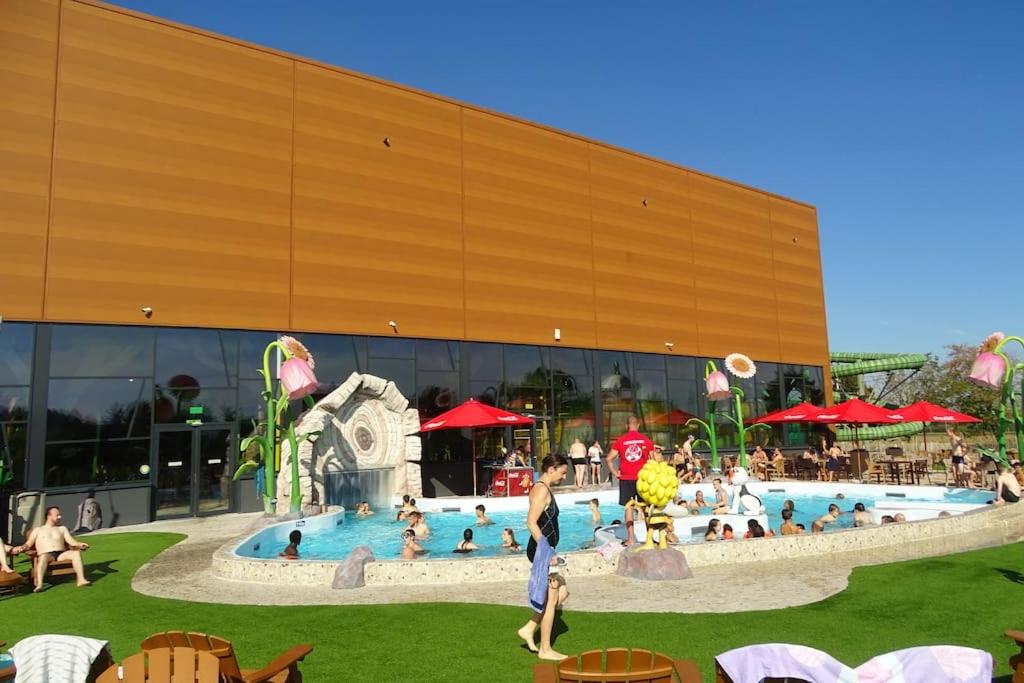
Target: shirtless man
x,y
721,498
418,525
54,543
1007,487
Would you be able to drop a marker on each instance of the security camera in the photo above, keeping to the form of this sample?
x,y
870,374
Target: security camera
x,y
147,311
669,345
392,323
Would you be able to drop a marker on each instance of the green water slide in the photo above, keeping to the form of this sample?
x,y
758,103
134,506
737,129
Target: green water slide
x,y
846,364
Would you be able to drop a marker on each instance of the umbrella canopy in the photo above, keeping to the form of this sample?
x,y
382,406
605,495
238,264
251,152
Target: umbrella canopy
x,y
803,412
676,416
856,411
471,414
923,411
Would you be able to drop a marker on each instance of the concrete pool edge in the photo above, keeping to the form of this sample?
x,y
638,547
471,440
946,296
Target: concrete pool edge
x,y
984,527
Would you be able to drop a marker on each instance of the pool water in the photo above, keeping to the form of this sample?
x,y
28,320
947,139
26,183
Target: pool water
x,y
383,534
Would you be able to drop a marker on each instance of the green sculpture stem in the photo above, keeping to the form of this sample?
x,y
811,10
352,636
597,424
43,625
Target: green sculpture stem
x,y
710,367
269,445
741,431
1007,397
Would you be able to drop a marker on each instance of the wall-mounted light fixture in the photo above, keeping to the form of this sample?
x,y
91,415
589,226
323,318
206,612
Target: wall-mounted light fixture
x,y
558,334
393,325
147,311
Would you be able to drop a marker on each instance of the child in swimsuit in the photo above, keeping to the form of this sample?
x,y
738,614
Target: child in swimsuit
x,y
291,551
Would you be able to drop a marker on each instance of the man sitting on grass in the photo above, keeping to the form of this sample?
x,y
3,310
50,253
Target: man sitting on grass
x,y
54,543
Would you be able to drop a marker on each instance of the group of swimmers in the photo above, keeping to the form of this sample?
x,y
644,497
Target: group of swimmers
x,y
417,529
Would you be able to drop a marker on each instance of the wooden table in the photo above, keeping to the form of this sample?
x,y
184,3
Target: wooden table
x,y
896,468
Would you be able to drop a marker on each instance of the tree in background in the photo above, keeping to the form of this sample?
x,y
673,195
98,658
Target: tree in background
x,y
947,385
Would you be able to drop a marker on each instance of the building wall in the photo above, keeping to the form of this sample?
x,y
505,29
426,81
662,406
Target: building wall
x,y
228,185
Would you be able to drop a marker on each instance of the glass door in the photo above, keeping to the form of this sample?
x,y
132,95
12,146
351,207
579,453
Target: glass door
x,y
213,462
192,472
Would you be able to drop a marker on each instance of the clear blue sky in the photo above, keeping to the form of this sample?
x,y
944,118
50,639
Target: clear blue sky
x,y
902,122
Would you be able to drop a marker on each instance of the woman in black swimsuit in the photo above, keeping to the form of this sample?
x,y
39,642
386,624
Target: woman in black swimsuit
x,y
542,522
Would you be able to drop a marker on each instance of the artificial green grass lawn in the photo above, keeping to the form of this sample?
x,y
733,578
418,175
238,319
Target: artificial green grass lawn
x,y
967,599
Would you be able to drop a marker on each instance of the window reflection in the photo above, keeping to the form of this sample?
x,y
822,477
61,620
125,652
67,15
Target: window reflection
x,y
101,351
197,358
177,404
336,356
13,447
390,347
14,404
436,392
572,376
250,353
438,356
96,462
97,408
16,353
617,392
485,362
401,372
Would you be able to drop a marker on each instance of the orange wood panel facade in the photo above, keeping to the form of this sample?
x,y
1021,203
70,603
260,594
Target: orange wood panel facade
x,y
377,225
643,248
228,185
172,173
28,67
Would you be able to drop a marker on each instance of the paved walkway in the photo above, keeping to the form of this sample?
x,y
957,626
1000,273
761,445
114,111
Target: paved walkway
x,y
184,572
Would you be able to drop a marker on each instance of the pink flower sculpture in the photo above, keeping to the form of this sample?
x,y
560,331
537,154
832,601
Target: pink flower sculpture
x,y
718,386
297,378
988,370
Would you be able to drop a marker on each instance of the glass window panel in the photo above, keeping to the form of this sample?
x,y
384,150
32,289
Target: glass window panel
x,y
16,353
649,361
650,385
656,421
526,365
814,382
401,372
484,361
684,403
436,392
617,392
336,356
390,347
251,405
13,445
437,355
97,408
14,404
575,362
96,462
250,353
769,390
681,367
533,400
101,351
174,405
793,376
189,358
485,392
446,445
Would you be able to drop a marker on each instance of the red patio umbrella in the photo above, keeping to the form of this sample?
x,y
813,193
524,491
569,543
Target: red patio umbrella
x,y
676,416
803,412
857,412
926,412
470,415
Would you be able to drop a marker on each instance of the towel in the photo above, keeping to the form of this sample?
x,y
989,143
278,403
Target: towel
x,y
754,663
55,659
537,588
929,664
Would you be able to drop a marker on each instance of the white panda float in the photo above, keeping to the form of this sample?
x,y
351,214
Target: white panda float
x,y
743,501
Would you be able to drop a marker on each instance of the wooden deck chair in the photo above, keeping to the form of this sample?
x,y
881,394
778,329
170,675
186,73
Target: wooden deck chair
x,y
1017,660
11,582
284,669
180,665
618,665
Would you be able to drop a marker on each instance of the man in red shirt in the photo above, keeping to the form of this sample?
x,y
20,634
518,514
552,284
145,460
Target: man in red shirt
x,y
634,449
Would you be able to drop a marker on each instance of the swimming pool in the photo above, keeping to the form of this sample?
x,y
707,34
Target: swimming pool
x,y
335,538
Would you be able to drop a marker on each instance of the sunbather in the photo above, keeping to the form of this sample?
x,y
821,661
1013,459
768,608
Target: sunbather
x,y
54,543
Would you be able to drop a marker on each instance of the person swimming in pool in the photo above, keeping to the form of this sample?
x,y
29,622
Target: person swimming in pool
x,y
508,540
291,551
410,548
466,545
595,512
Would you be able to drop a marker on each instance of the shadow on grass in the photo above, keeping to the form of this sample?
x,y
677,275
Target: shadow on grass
x,y
1011,575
